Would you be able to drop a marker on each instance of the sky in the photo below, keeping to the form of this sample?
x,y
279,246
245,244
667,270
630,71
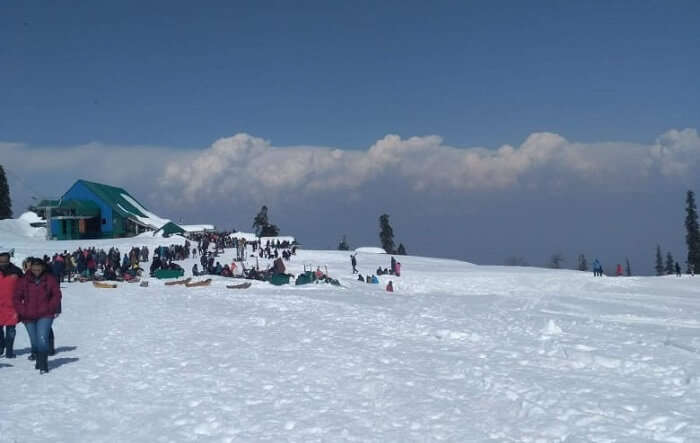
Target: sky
x,y
485,129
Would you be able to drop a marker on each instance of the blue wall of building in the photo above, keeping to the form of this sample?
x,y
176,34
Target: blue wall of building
x,y
80,192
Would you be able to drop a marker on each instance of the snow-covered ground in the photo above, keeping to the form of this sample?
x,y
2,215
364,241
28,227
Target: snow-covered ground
x,y
458,353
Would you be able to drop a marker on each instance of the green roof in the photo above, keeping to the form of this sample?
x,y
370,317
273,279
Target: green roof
x,y
171,228
46,203
81,207
112,196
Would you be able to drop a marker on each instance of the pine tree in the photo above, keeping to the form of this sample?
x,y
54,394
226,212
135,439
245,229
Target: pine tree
x,y
692,235
556,260
260,221
401,250
386,234
270,231
262,225
582,263
659,261
628,268
343,245
5,201
670,264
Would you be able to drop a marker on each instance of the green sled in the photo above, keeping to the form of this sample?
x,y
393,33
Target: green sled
x,y
278,279
169,273
305,278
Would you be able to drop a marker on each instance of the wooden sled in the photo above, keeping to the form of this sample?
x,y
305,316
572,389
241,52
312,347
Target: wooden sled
x,y
197,284
99,284
178,282
245,285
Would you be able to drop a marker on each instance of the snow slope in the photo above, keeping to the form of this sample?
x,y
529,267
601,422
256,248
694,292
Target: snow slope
x,y
459,353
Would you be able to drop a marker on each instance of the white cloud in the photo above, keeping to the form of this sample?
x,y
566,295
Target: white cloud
x,y
247,167
243,164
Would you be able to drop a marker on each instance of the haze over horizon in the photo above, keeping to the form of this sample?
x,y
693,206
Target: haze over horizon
x,y
486,130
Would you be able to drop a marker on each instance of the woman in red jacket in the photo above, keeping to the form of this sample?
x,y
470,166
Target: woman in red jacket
x,y
9,277
37,300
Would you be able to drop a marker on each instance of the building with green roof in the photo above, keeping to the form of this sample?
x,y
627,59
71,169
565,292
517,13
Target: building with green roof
x,y
95,210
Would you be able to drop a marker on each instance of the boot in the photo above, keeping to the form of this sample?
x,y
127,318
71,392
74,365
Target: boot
x,y
42,359
9,347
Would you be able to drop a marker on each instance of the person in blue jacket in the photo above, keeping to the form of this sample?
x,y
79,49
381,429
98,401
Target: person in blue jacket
x,y
597,268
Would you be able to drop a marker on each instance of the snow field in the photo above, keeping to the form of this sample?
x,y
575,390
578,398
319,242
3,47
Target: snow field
x,y
459,353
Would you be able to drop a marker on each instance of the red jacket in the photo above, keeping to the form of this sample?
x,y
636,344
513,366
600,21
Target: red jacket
x,y
37,298
8,284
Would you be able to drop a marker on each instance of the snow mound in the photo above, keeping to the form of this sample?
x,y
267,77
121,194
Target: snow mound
x,y
248,236
370,250
13,229
31,217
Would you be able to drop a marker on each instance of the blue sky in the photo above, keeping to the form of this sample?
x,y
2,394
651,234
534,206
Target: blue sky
x,y
86,84
345,74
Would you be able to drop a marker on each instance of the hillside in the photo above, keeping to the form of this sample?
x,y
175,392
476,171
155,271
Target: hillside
x,y
458,353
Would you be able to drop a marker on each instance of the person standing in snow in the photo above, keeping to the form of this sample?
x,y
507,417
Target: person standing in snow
x,y
390,287
9,277
353,262
37,300
597,268
678,270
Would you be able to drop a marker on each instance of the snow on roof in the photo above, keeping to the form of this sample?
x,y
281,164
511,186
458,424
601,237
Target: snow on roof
x,y
370,250
197,228
150,218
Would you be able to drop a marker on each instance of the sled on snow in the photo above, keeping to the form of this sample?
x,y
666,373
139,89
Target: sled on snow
x,y
197,284
168,273
245,285
178,282
99,284
278,279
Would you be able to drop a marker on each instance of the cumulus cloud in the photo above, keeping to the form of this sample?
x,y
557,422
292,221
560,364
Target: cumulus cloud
x,y
248,167
252,166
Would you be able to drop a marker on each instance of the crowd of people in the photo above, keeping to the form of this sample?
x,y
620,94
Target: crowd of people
x,y
395,269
